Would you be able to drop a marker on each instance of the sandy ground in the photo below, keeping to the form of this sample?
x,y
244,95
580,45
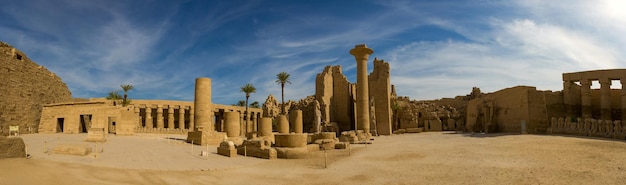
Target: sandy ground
x,y
425,158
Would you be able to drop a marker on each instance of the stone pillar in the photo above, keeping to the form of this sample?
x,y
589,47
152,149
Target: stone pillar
x,y
231,124
137,112
585,92
605,99
170,117
181,117
149,117
192,118
567,98
295,118
265,127
361,54
242,123
623,95
283,124
159,116
202,105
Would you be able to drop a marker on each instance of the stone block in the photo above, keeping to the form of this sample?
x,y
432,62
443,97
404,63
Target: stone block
x,y
205,137
326,144
95,135
71,149
414,130
12,147
342,145
292,153
290,140
227,148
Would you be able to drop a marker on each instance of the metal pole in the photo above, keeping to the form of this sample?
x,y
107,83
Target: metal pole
x,y
245,151
207,150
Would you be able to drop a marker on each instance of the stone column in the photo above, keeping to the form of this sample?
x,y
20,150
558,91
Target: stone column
x,y
181,117
623,94
567,98
361,54
137,111
192,118
585,92
202,105
231,124
283,124
170,117
159,116
149,117
295,118
605,99
265,127
242,123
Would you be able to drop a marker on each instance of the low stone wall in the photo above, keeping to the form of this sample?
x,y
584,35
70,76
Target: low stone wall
x,y
588,127
72,149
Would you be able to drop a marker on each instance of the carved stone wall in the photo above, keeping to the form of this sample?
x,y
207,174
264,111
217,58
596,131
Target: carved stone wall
x,y
24,87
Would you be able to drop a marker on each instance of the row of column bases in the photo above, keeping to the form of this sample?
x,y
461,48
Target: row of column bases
x,y
605,98
169,118
588,127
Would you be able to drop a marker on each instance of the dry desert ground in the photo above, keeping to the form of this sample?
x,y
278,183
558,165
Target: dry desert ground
x,y
424,158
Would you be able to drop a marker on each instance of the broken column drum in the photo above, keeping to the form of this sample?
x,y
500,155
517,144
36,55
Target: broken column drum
x,y
295,118
202,105
283,124
265,127
231,124
361,54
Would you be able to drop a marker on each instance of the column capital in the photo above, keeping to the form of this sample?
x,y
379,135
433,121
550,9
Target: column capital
x,y
361,50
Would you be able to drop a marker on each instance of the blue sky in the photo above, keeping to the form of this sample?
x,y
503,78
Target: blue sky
x,y
436,49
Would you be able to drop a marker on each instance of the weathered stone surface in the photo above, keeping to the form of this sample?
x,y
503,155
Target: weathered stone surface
x,y
227,148
292,153
95,135
25,86
290,140
12,147
71,149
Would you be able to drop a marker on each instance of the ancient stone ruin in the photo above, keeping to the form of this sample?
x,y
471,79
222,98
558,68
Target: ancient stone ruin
x,y
25,87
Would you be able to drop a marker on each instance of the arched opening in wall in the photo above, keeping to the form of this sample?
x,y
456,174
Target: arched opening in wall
x,y
60,124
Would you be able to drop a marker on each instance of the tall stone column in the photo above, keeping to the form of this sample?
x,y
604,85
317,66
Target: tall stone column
x,y
295,119
159,116
192,118
567,98
137,112
181,117
623,95
585,92
605,99
149,117
361,54
170,117
202,105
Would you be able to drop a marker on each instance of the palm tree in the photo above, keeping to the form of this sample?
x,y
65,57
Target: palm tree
x,y
241,103
282,78
254,104
248,88
126,88
115,96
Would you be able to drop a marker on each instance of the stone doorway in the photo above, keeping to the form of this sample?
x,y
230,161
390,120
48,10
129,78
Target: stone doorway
x,y
112,122
85,123
60,124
